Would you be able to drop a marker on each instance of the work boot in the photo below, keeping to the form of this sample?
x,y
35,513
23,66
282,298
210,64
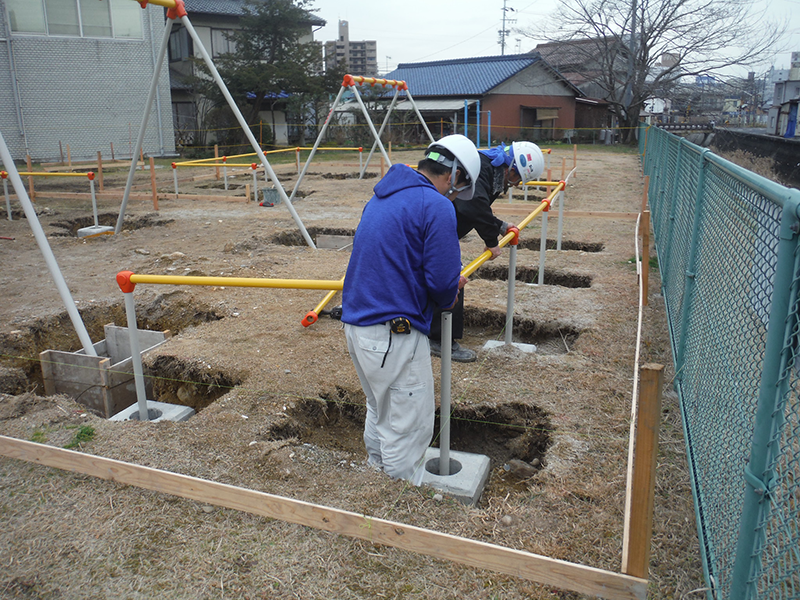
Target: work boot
x,y
458,354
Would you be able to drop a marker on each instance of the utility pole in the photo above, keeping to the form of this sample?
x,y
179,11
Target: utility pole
x,y
505,32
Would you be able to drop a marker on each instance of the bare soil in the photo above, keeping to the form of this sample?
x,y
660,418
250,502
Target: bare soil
x,y
280,409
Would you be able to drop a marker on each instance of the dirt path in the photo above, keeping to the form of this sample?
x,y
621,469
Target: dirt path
x,y
280,408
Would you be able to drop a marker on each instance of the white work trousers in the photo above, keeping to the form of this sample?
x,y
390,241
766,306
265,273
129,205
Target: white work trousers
x,y
400,400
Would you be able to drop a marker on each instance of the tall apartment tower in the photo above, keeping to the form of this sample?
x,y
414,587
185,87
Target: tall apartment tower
x,y
361,57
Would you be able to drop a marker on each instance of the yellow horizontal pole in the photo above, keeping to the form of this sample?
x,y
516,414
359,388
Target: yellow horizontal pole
x,y
475,264
43,174
545,183
164,3
298,284
313,315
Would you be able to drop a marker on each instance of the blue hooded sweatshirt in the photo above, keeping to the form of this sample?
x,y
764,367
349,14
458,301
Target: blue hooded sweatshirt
x,y
406,258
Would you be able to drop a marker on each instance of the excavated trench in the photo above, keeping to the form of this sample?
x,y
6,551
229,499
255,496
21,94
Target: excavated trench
x,y
504,432
71,226
531,275
20,370
550,337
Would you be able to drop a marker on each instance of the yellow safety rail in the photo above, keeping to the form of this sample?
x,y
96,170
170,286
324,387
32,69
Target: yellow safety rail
x,y
313,315
127,278
545,205
219,162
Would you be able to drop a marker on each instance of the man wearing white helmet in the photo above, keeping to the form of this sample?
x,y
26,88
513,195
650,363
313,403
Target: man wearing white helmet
x,y
405,262
501,167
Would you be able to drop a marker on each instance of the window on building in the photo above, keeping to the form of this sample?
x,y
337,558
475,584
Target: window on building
x,y
180,45
79,18
220,44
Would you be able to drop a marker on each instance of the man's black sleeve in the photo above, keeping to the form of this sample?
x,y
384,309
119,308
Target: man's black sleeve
x,y
477,213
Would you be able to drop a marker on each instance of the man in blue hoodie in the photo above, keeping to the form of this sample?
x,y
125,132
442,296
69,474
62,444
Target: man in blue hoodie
x,y
406,261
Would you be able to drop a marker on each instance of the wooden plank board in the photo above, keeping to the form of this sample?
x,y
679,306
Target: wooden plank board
x,y
482,555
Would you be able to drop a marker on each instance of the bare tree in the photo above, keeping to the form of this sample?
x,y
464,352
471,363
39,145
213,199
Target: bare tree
x,y
631,50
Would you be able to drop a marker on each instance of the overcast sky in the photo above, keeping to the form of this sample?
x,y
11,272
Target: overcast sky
x,y
425,30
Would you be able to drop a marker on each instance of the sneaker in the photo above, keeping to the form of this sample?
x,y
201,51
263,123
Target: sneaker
x,y
458,354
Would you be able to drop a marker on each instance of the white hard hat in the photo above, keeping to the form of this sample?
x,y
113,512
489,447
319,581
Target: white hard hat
x,y
528,160
466,156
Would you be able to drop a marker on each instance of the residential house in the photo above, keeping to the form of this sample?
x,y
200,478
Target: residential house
x,y
214,20
515,96
76,74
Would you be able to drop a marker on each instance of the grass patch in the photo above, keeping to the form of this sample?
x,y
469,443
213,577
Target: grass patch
x,y
84,434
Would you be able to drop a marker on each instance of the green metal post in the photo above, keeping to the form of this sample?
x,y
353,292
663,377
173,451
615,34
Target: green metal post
x,y
688,292
773,388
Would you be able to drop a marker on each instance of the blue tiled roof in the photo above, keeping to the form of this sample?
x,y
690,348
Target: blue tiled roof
x,y
228,7
463,76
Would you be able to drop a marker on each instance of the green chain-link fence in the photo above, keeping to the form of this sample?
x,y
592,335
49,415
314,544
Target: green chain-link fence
x,y
729,257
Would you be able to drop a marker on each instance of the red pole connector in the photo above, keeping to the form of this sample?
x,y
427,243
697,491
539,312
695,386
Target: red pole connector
x,y
90,175
3,175
174,166
310,318
124,282
515,230
178,12
253,166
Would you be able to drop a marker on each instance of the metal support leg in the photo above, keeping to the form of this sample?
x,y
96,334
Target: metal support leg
x,y
542,248
512,280
444,408
8,200
94,203
136,356
175,178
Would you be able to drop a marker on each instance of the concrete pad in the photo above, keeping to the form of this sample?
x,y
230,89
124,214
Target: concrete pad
x,y
497,343
95,230
466,485
156,411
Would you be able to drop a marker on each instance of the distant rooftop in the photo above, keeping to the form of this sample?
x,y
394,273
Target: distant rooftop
x,y
230,8
463,76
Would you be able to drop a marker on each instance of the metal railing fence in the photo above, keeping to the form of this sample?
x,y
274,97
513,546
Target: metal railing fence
x,y
728,252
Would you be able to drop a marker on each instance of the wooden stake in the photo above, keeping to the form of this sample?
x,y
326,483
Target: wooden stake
x,y
100,170
390,149
482,555
644,194
31,193
69,158
112,152
153,182
247,191
639,509
61,151
141,156
563,168
216,155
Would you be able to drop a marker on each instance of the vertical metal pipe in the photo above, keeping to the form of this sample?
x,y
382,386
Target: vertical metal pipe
x,y
175,177
444,405
543,247
225,172
560,219
8,200
143,127
478,126
255,185
466,118
136,355
94,203
45,249
512,282
489,127
774,386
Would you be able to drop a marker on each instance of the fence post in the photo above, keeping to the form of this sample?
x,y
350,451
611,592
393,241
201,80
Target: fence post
x,y
781,340
30,178
638,527
100,169
688,292
645,225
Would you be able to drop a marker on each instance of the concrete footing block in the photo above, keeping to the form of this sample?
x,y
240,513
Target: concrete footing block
x,y
470,472
156,411
95,230
491,344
